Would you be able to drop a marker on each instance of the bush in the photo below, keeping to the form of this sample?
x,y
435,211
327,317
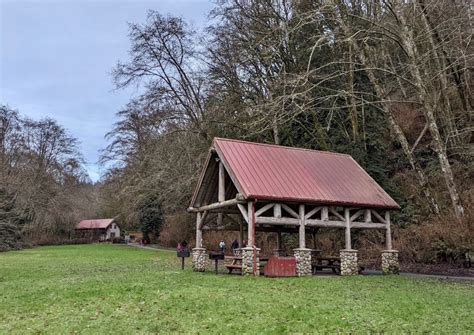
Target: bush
x,y
118,240
10,237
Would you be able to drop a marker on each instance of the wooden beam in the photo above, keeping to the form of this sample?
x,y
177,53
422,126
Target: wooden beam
x,y
356,215
342,224
226,210
221,194
325,213
339,216
377,215
290,230
277,221
264,209
227,203
313,212
367,215
277,211
325,224
203,218
388,232
243,211
347,216
302,232
368,225
290,211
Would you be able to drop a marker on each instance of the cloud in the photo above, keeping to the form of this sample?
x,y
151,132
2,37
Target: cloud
x,y
56,58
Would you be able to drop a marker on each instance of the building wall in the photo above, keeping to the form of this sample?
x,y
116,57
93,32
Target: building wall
x,y
113,228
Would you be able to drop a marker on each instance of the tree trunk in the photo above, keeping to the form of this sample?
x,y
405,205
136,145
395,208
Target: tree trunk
x,y
429,111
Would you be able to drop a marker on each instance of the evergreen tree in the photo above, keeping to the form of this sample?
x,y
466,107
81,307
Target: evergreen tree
x,y
150,216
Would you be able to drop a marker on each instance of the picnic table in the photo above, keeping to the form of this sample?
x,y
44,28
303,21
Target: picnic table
x,y
326,262
236,263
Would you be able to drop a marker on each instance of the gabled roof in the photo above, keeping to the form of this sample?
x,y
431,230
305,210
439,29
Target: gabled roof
x,y
278,173
94,224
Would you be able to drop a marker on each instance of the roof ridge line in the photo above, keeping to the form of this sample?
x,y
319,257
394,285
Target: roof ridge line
x,y
282,146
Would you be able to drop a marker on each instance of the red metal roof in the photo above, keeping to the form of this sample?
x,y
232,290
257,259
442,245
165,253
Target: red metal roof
x,y
94,224
273,172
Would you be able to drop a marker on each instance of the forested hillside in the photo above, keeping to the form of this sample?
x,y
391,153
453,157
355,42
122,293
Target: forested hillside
x,y
389,82
44,188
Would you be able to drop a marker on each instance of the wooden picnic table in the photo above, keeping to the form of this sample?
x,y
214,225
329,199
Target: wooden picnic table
x,y
326,262
236,263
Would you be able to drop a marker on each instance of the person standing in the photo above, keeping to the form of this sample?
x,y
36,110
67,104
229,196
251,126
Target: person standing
x,y
235,246
222,246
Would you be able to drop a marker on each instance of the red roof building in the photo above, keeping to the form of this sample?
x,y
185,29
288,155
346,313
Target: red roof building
x,y
284,189
98,229
279,173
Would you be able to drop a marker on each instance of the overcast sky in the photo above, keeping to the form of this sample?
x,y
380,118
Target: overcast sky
x,y
56,58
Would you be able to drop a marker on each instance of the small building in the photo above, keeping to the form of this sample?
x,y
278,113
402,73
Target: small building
x,y
133,236
262,187
98,229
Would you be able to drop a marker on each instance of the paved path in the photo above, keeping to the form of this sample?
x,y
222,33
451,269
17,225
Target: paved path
x,y
150,247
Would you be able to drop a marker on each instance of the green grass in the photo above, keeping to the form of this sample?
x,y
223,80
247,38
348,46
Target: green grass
x,y
120,289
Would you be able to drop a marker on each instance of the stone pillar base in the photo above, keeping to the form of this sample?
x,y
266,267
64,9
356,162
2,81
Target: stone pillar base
x,y
390,262
199,259
349,266
278,252
247,261
303,261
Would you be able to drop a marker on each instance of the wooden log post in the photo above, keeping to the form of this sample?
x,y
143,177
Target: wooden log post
x,y
302,255
388,232
198,230
241,235
199,253
302,227
250,225
347,219
250,254
221,192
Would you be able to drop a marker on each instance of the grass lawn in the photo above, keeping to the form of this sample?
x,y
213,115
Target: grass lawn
x,y
120,289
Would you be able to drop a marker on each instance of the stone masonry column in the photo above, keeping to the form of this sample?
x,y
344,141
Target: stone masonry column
x,y
349,265
390,262
199,259
247,261
303,261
